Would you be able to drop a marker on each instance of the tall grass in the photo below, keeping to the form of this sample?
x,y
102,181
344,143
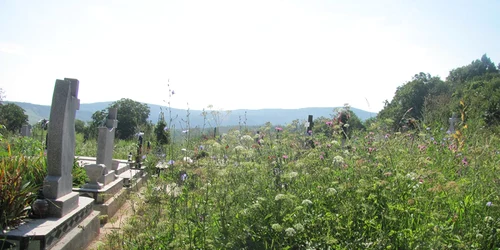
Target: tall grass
x,y
408,190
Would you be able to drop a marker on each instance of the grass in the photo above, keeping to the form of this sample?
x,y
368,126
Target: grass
x,y
409,190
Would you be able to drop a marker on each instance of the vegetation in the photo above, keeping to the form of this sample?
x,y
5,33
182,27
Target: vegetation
x,y
12,117
403,180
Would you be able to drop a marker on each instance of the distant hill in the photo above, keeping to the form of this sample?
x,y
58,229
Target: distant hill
x,y
253,117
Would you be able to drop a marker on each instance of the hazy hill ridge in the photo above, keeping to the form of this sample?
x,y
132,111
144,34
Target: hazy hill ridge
x,y
253,117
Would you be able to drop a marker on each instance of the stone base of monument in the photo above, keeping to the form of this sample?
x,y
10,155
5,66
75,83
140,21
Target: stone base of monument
x,y
130,176
75,230
120,166
107,199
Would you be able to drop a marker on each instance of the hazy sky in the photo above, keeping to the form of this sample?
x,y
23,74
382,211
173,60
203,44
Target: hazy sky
x,y
238,54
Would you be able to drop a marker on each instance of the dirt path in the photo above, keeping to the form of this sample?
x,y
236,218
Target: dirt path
x,y
113,224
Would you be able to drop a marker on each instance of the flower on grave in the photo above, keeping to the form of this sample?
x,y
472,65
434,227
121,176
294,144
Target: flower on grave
x,y
278,129
277,227
290,232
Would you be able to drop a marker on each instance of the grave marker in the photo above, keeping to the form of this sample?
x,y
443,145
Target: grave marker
x,y
58,184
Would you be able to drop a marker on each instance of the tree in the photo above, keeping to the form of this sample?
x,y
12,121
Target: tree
x,y
409,100
79,126
131,115
161,131
12,117
98,118
1,96
474,69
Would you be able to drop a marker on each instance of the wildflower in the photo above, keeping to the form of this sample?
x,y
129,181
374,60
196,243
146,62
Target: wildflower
x,y
422,147
328,145
201,147
338,159
307,202
185,131
290,232
321,157
144,157
173,92
489,204
279,197
465,162
171,162
285,156
331,190
346,125
277,227
299,227
239,148
309,132
278,129
387,136
329,123
184,177
165,128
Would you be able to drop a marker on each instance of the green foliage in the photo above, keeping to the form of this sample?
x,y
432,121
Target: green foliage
x,y
12,117
131,115
20,178
98,119
469,72
79,126
161,131
383,191
410,99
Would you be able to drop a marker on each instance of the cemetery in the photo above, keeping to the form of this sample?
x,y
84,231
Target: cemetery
x,y
315,183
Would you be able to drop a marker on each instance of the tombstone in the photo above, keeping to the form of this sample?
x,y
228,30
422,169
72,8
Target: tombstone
x,y
452,121
26,130
73,223
57,186
310,123
105,146
138,157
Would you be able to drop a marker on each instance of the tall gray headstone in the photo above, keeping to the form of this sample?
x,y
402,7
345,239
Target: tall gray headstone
x,y
26,130
453,120
58,184
105,146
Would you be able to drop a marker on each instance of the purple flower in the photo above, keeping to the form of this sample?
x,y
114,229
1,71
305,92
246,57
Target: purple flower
x,y
464,161
184,177
489,204
278,129
285,156
144,157
171,162
165,128
173,92
321,157
201,147
329,123
309,132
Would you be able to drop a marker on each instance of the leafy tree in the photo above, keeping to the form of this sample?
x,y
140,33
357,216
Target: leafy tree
x,y
131,115
98,118
79,126
1,96
475,69
161,131
408,102
12,117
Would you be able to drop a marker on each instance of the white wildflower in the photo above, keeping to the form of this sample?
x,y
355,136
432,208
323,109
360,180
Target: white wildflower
x,y
277,227
290,232
299,227
279,197
307,202
338,159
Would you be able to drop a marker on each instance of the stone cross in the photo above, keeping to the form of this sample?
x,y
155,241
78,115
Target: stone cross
x,y
105,146
57,186
452,122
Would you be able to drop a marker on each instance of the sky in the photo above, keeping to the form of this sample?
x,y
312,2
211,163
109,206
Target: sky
x,y
238,54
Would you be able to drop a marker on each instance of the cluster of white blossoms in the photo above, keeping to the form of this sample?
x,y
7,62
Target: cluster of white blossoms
x,y
338,160
280,197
